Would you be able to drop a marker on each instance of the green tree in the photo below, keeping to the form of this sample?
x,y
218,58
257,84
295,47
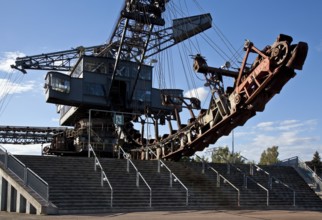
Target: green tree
x,y
316,161
201,159
269,156
223,155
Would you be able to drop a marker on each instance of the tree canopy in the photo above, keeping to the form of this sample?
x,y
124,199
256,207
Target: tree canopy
x,y
201,159
223,155
316,161
269,156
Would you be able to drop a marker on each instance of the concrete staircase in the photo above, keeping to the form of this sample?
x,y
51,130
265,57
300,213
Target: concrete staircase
x,y
74,186
126,194
306,198
308,175
252,196
203,190
165,194
285,182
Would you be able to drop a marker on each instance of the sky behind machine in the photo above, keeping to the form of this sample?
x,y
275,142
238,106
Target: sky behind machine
x,y
253,32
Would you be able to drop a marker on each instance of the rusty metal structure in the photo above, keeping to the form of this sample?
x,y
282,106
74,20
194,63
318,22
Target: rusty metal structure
x,y
108,88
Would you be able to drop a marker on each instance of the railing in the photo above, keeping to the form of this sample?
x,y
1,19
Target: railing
x,y
226,181
138,174
103,175
316,178
176,179
248,177
218,178
270,178
276,180
29,177
296,162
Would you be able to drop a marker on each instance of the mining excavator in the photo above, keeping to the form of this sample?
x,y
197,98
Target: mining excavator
x,y
108,89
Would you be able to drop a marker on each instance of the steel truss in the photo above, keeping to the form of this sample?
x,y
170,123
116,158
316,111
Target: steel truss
x,y
28,135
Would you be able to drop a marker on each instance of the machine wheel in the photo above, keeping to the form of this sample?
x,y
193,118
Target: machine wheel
x,y
279,53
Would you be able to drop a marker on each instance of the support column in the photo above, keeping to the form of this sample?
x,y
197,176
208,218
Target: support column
x,y
13,199
3,194
28,207
9,198
20,203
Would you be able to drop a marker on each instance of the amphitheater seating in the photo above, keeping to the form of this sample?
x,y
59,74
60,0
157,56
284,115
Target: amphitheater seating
x,y
74,186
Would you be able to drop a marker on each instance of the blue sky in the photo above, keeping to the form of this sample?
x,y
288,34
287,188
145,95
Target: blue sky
x,y
292,120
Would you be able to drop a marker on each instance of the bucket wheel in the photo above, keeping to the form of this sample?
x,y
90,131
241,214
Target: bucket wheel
x,y
279,53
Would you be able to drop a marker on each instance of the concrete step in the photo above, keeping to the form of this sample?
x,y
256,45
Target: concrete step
x,y
75,186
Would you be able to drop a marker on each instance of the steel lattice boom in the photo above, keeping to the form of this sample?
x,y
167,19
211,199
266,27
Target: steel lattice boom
x,y
28,135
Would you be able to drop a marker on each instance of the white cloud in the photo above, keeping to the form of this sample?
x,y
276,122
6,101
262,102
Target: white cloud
x,y
267,126
286,125
7,59
201,93
23,149
293,137
286,139
8,87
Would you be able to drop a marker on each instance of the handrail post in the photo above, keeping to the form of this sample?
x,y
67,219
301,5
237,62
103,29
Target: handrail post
x,y
111,198
187,198
89,132
171,179
128,165
267,198
238,198
251,171
270,182
119,154
25,173
218,180
294,198
102,178
245,181
137,179
159,166
203,167
6,159
47,193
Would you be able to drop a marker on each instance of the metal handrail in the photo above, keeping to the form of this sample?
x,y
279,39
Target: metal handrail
x,y
187,191
248,177
103,174
26,170
264,188
227,181
218,179
138,174
162,164
315,176
3,149
273,177
300,162
6,155
42,180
